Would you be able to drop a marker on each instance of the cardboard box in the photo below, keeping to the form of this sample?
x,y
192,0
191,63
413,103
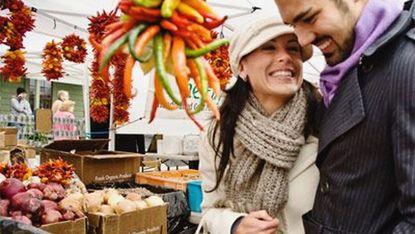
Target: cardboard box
x,y
91,163
68,227
152,220
4,157
10,136
43,120
29,151
2,139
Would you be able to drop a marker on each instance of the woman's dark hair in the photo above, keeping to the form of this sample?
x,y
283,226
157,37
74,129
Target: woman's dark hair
x,y
221,134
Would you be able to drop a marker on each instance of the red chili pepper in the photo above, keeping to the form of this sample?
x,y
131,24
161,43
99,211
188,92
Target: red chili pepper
x,y
179,20
155,13
211,24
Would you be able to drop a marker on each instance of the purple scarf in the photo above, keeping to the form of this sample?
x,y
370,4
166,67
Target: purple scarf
x,y
376,17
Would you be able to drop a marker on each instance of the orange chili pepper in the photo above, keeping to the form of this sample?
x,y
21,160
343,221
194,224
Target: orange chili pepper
x,y
202,7
213,80
141,42
166,24
128,70
212,107
158,90
167,41
196,40
190,43
201,31
179,62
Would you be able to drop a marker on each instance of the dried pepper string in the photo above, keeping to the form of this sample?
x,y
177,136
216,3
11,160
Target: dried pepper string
x,y
189,23
12,32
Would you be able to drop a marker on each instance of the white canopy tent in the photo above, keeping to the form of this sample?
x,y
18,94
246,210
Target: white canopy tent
x,y
58,18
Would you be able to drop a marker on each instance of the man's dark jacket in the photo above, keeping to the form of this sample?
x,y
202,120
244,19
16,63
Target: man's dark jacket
x,y
367,142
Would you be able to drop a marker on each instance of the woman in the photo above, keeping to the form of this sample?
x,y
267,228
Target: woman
x,y
63,95
257,162
63,121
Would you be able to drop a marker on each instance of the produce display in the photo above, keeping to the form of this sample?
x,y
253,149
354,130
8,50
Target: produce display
x,y
57,171
172,36
36,203
111,202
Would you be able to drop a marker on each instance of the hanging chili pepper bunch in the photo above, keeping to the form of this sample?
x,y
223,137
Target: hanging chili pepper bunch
x,y
52,61
219,60
172,36
74,48
121,102
58,171
12,31
14,62
99,90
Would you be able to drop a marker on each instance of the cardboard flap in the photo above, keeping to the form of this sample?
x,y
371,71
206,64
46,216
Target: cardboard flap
x,y
9,130
119,154
78,145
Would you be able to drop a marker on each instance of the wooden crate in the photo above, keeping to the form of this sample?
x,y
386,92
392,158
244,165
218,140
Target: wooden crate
x,y
170,179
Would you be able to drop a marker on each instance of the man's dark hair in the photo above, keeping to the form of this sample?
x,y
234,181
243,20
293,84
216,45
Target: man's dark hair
x,y
20,90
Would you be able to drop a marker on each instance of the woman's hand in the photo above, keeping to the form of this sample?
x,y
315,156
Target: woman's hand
x,y
257,222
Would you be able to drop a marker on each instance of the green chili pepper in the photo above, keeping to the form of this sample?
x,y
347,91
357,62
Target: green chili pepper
x,y
160,69
209,47
168,7
147,3
112,50
203,85
131,44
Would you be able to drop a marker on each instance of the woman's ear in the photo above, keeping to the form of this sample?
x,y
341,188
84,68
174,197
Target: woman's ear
x,y
242,72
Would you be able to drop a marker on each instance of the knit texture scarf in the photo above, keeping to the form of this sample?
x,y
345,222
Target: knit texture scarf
x,y
257,178
376,17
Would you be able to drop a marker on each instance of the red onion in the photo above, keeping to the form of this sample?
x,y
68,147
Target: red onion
x,y
68,215
22,219
10,187
54,192
4,207
16,213
51,216
18,200
50,205
36,193
39,186
33,205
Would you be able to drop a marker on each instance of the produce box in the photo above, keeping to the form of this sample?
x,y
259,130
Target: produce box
x,y
68,227
29,151
152,220
175,198
91,163
172,179
2,139
10,137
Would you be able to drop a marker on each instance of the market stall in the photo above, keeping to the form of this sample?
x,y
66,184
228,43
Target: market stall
x,y
114,49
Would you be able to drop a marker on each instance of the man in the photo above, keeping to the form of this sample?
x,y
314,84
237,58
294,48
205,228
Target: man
x,y
367,132
19,105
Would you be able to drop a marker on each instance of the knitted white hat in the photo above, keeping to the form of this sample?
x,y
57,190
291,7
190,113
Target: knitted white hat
x,y
246,39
